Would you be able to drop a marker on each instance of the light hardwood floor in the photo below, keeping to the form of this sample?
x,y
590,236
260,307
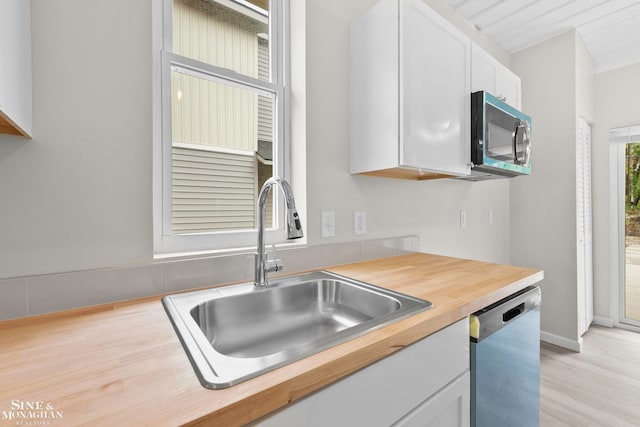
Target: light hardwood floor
x,y
598,387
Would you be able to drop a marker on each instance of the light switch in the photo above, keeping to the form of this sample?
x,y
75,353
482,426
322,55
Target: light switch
x,y
463,218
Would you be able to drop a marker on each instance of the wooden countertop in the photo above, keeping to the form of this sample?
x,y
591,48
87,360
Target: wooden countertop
x,y
122,364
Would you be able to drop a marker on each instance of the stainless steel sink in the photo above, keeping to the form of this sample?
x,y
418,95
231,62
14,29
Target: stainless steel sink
x,y
234,333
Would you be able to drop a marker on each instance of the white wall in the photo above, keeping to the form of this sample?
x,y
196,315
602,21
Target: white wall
x,y
543,207
585,82
78,195
617,95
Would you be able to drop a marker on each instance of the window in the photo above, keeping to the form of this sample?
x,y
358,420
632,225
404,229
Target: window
x,y
223,112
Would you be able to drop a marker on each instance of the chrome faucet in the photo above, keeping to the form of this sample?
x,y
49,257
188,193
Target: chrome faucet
x,y
294,229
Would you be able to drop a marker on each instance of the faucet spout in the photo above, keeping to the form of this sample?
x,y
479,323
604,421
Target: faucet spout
x,y
294,229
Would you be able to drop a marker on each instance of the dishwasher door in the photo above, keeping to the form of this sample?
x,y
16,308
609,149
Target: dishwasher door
x,y
505,362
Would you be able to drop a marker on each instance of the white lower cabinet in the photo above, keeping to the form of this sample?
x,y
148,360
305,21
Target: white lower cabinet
x,y
425,384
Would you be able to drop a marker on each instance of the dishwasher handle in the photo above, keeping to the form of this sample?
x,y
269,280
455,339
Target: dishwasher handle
x,y
491,319
513,313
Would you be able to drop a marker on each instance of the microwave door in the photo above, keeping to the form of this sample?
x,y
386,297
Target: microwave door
x,y
506,140
499,143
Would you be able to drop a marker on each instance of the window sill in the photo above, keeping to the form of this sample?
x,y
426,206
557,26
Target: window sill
x,y
299,244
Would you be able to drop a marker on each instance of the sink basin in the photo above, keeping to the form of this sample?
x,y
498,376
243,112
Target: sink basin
x,y
234,333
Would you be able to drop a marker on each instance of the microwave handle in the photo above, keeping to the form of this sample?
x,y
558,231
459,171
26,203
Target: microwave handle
x,y
526,155
526,140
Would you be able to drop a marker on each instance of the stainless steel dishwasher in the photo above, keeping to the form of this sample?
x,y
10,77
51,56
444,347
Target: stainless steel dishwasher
x,y
505,362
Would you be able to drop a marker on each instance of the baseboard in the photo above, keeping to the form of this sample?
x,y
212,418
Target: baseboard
x,y
603,321
560,341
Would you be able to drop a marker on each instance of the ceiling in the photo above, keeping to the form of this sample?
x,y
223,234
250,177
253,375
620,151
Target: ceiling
x,y
609,28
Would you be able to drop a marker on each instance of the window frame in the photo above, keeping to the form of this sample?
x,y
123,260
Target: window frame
x,y
166,242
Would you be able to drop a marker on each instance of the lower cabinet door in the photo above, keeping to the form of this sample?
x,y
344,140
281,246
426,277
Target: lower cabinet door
x,y
447,408
386,391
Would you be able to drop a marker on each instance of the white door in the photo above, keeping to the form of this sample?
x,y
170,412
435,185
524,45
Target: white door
x,y
584,227
626,211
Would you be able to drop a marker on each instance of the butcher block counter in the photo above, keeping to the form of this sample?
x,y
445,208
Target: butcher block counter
x,y
122,364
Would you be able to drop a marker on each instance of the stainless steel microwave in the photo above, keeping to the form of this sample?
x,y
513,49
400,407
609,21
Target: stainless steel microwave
x,y
500,138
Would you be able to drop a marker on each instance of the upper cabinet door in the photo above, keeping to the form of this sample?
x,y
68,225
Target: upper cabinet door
x,y
435,91
483,71
15,67
410,94
508,87
488,74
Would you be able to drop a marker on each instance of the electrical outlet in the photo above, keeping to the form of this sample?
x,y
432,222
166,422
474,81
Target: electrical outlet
x,y
463,218
328,224
359,223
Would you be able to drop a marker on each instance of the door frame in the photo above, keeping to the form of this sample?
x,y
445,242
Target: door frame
x,y
617,233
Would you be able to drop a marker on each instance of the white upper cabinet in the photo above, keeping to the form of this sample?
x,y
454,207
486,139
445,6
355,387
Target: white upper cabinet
x,y
488,74
410,93
15,67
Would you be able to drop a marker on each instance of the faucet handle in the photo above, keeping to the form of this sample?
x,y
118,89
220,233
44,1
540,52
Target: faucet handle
x,y
275,264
